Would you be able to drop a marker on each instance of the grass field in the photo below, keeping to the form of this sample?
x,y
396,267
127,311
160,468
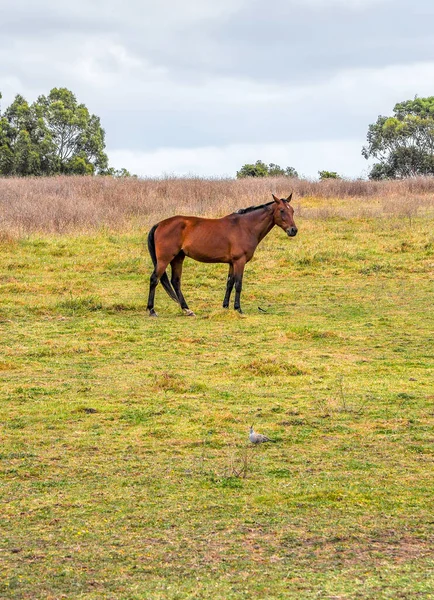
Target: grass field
x,y
125,467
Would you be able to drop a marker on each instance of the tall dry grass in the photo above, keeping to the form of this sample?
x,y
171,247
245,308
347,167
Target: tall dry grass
x,y
78,204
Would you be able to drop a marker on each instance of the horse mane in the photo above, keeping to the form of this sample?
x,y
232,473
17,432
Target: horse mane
x,y
243,211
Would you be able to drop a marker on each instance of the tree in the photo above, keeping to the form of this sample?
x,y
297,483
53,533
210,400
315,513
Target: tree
x,y
53,135
118,173
291,172
260,169
403,143
275,170
328,175
18,153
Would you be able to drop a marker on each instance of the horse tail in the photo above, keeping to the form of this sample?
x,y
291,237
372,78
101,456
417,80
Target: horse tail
x,y
151,245
164,279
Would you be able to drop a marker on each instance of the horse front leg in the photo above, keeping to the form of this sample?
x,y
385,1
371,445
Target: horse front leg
x,y
229,286
238,280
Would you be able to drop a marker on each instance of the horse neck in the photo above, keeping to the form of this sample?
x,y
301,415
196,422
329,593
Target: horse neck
x,y
261,222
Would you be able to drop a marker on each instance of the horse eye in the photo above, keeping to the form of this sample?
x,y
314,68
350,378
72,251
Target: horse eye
x,y
281,211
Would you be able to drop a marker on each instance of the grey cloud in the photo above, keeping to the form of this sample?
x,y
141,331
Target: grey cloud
x,y
285,41
281,39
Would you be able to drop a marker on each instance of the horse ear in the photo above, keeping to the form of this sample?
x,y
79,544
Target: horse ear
x,y
275,198
289,197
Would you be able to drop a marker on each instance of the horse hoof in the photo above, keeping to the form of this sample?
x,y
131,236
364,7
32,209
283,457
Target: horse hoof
x,y
152,313
189,313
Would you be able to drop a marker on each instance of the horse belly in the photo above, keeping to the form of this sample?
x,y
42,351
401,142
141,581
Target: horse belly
x,y
205,248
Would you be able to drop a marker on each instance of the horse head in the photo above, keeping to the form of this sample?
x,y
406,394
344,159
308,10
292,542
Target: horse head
x,y
284,215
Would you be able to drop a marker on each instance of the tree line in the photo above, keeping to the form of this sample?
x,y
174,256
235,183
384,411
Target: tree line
x,y
57,135
260,169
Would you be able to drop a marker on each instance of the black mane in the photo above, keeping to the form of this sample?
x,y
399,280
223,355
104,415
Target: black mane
x,y
243,211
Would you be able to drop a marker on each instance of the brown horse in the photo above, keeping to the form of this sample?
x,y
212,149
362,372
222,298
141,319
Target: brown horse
x,y
231,239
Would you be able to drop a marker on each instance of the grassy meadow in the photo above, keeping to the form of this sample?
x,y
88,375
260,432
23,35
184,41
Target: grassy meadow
x,y
126,471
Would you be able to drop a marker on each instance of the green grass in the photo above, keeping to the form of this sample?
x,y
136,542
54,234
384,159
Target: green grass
x,y
124,438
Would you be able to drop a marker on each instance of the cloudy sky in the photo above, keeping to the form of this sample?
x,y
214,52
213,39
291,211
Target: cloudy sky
x,y
204,86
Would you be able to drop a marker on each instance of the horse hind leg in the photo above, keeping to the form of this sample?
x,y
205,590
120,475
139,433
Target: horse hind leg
x,y
176,265
153,282
157,273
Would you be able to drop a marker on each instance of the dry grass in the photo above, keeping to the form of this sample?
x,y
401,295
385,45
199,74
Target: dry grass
x,y
80,204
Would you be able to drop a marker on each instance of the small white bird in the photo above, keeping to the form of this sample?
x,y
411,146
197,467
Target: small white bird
x,y
258,438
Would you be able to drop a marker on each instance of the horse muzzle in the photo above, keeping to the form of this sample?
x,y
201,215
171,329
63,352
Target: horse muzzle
x,y
292,231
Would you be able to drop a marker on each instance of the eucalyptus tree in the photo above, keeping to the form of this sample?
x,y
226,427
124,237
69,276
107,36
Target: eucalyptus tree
x,y
53,135
403,143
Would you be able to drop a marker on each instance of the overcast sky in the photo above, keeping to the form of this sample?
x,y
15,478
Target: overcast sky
x,y
204,86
